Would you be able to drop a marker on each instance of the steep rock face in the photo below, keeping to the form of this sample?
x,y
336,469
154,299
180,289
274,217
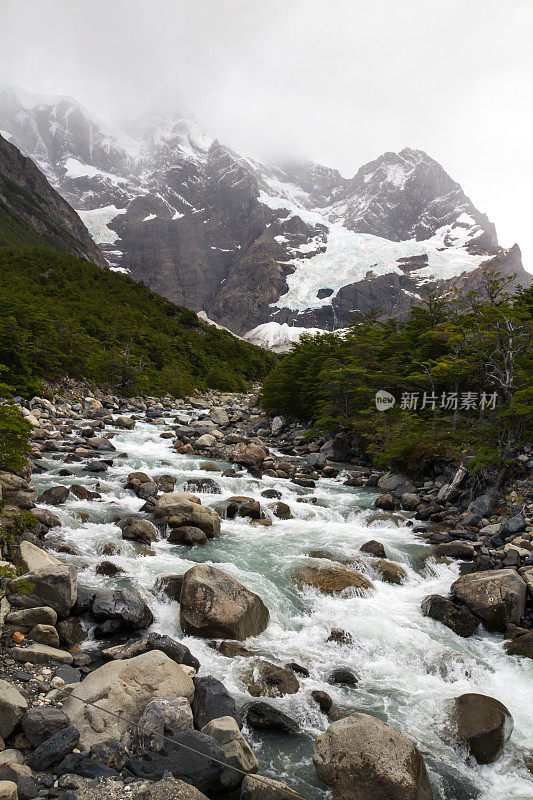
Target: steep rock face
x,y
32,212
408,195
251,243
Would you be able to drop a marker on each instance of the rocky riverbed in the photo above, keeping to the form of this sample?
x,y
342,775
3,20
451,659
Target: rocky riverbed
x,y
260,594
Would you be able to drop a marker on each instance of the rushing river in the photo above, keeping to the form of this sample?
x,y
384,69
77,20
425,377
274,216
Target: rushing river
x,y
409,666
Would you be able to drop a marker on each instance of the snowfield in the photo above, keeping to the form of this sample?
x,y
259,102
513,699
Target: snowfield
x,y
75,169
97,221
350,257
278,337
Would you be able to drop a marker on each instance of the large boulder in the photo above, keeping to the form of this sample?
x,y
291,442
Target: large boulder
x,y
166,789
12,708
479,508
170,585
54,749
238,506
458,618
214,604
138,530
521,645
397,483
237,751
331,578
389,571
45,517
175,650
188,535
249,455
219,417
16,491
135,479
71,632
121,605
206,440
41,722
362,758
483,724
373,548
199,761
265,679
30,558
40,654
162,718
55,495
44,634
387,502
264,717
28,617
337,449
53,583
181,508
456,549
125,423
124,688
23,777
8,790
497,597
211,700
410,501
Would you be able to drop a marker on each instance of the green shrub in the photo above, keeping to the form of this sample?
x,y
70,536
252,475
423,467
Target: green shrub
x,y
14,445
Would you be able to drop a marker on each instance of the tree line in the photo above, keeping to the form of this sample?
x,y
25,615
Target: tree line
x,y
459,370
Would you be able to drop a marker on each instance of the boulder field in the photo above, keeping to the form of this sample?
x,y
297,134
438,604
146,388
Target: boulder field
x,y
96,702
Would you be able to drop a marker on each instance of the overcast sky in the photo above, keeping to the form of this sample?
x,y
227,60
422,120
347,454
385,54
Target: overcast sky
x,y
335,81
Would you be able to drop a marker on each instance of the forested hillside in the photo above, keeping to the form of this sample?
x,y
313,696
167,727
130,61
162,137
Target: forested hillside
x,y
33,213
62,316
460,371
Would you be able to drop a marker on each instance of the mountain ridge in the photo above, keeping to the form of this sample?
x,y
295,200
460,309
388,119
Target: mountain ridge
x,y
32,211
252,243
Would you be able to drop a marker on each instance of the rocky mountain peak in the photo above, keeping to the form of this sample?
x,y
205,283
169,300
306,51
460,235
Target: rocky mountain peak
x,y
252,243
408,195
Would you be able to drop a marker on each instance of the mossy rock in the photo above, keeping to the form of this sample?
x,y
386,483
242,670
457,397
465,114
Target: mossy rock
x,y
331,578
389,571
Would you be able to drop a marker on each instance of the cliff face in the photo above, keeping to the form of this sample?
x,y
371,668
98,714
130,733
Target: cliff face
x,y
31,211
252,243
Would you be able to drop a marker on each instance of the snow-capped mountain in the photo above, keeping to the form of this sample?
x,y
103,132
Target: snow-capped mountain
x,y
252,244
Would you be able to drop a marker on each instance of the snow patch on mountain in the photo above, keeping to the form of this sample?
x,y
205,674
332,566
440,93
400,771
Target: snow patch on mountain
x,y
350,257
76,169
278,337
97,222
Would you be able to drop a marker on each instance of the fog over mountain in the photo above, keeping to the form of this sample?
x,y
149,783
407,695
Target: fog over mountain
x,y
338,83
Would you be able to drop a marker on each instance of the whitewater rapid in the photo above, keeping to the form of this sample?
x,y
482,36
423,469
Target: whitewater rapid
x,y
409,666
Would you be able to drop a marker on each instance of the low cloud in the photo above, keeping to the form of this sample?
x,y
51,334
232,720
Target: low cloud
x,y
337,82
